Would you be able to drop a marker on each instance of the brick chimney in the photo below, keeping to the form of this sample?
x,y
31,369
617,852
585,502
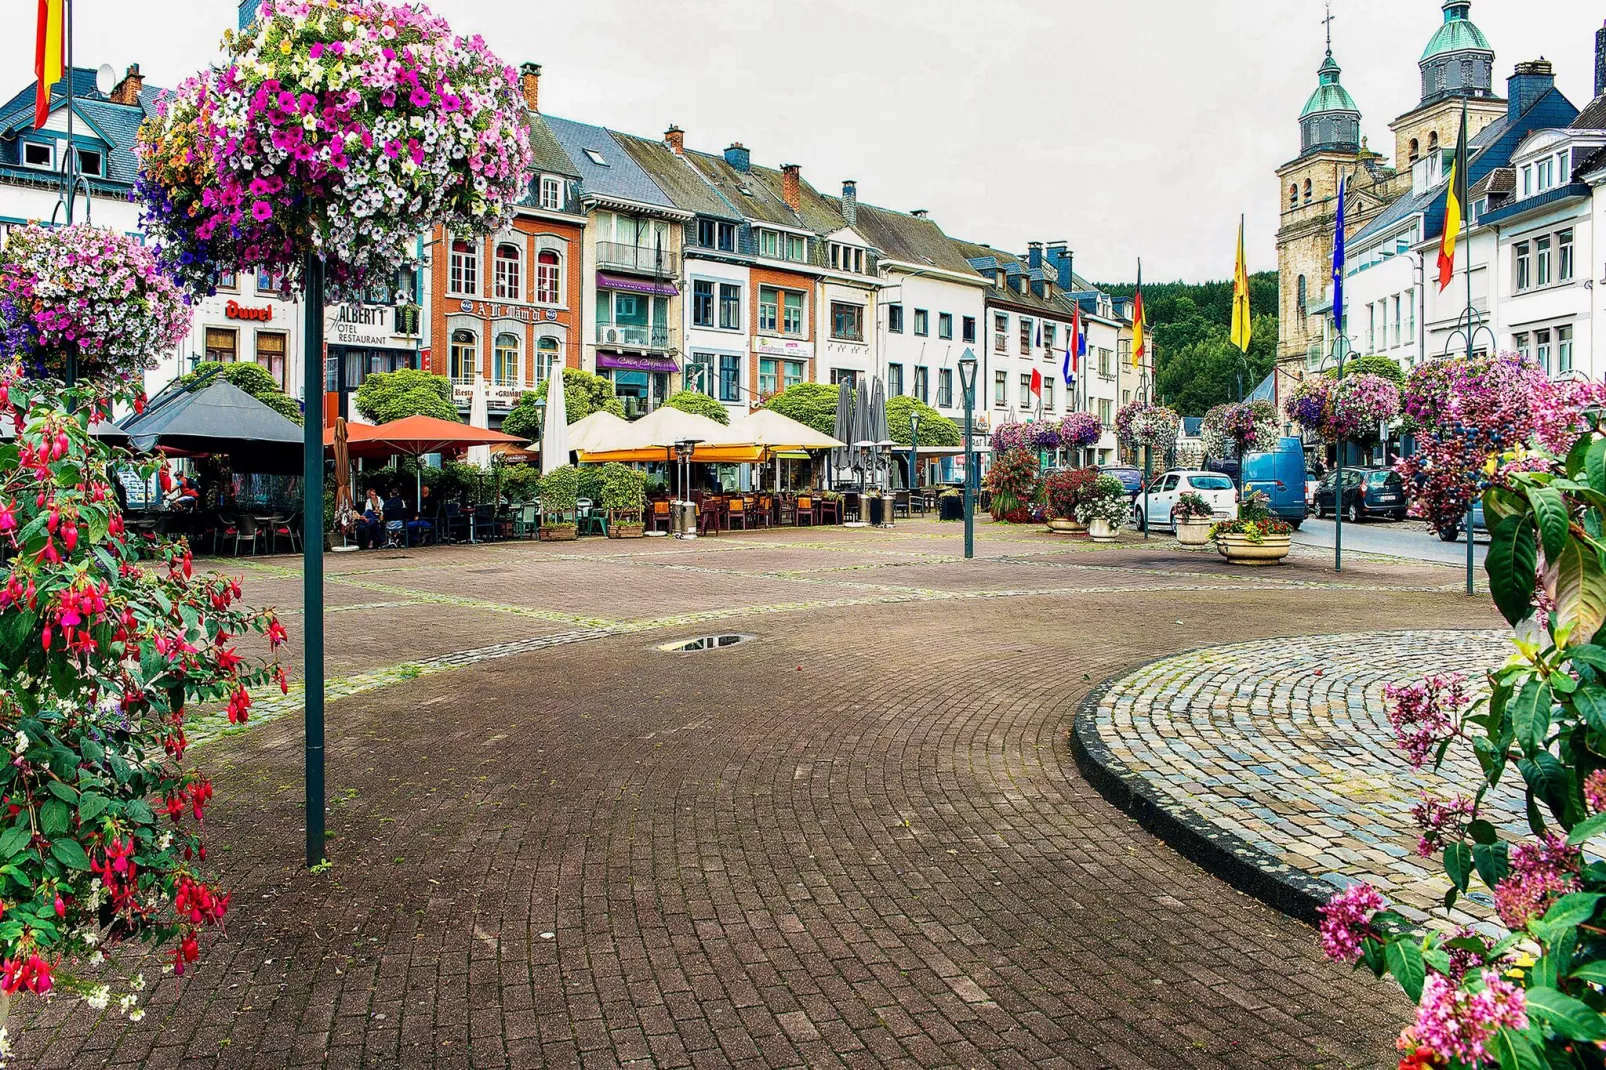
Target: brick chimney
x,y
1600,61
920,213
737,156
850,201
792,185
1034,254
1527,84
128,90
530,79
675,138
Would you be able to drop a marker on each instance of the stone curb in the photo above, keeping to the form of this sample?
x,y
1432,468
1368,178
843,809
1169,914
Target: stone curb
x,y
1222,854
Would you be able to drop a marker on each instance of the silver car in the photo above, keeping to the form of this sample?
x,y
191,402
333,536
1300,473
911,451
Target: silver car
x,y
1213,487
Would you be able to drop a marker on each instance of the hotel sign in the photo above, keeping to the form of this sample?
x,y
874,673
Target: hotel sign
x,y
362,325
507,310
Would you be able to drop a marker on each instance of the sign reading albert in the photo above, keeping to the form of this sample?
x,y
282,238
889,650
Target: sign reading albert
x,y
361,325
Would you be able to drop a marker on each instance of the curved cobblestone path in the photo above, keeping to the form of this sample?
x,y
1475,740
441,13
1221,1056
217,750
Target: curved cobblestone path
x,y
859,839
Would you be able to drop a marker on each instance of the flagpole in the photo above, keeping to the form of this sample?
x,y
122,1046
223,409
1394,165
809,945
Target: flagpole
x,y
1467,267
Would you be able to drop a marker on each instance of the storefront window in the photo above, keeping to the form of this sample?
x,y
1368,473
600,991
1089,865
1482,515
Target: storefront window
x,y
767,383
464,356
793,373
270,354
222,344
505,359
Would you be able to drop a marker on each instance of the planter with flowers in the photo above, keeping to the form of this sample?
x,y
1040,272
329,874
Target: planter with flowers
x,y
1013,482
1105,510
1256,537
1193,516
1063,491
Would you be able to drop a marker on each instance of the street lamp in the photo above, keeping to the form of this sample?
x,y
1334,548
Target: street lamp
x,y
967,380
914,449
1341,350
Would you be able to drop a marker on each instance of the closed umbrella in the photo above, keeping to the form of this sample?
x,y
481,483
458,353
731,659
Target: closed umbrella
x,y
479,415
555,432
878,423
345,508
841,458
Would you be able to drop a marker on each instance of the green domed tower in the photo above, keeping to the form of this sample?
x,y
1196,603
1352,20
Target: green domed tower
x,y
1330,121
1458,61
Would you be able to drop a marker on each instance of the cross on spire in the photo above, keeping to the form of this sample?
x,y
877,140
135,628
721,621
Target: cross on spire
x,y
1328,22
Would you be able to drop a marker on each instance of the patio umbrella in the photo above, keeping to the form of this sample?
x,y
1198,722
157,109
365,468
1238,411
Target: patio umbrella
x,y
479,415
778,435
653,437
878,422
345,507
219,418
555,433
841,458
588,432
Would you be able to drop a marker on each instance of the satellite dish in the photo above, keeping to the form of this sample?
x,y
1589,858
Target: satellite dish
x,y
106,78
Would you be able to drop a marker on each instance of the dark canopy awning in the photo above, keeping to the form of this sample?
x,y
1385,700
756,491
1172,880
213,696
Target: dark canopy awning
x,y
219,418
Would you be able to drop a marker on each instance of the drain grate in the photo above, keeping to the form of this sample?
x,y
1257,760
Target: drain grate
x,y
704,642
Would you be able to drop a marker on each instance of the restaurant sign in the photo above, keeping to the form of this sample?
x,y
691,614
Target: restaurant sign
x,y
497,395
236,311
361,325
507,310
771,346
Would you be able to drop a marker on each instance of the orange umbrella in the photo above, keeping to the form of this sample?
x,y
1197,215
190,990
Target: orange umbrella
x,y
415,436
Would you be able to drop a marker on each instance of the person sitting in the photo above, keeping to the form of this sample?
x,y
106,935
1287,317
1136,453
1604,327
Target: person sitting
x,y
186,496
395,517
421,526
371,530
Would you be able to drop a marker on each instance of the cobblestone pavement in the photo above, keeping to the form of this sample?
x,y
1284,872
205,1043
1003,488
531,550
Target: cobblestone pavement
x,y
1280,751
859,839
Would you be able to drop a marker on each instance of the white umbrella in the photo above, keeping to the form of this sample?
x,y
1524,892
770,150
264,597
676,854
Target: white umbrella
x,y
590,433
479,415
555,433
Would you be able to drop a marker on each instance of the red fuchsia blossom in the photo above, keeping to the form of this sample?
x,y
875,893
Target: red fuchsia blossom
x,y
1456,1023
1346,921
1441,821
1425,714
31,974
1541,873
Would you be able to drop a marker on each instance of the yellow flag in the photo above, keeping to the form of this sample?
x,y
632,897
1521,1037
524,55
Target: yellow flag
x,y
1241,330
47,61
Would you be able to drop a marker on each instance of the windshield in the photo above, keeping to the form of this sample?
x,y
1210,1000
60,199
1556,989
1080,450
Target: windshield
x,y
1382,479
1210,482
1129,477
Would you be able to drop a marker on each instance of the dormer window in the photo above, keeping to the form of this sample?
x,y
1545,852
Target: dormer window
x,y
39,154
847,258
551,193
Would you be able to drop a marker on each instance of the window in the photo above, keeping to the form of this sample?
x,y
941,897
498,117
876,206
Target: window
x,y
39,154
791,373
1542,261
1397,339
845,377
1307,191
547,277
551,193
1105,360
730,306
633,319
222,345
1106,411
922,322
1519,342
1299,299
945,387
546,356
702,303
1048,393
894,380
846,258
968,333
713,234
1433,140
270,282
797,248
1293,195
596,157
945,326
767,379
505,360
1000,389
922,380
1025,391
1545,174
1025,336
270,354
769,302
1524,266
1528,180
225,280
1371,328
847,321
700,373
1000,332
464,359
730,377
464,268
769,244
1564,350
1542,350
1048,336
1410,315
508,283
792,313
1564,256
89,162
1416,149
895,319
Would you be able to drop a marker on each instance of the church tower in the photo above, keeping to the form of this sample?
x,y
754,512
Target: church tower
x,y
1458,64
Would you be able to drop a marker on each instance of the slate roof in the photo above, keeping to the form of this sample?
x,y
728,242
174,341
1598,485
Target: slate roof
x,y
617,176
1500,180
984,258
904,237
1593,117
117,123
751,198
549,155
683,183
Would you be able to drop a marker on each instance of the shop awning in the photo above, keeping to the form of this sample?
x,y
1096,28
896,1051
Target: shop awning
x,y
644,363
640,286
653,438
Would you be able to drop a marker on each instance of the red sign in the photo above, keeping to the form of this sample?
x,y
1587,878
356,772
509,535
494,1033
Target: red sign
x,y
236,311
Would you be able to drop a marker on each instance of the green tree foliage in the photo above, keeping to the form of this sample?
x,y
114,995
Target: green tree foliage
x,y
583,394
387,396
935,428
699,404
814,405
1387,367
251,378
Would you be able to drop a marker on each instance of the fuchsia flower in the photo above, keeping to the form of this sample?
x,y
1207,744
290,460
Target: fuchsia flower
x,y
1425,714
1594,783
1346,921
1441,821
1455,1023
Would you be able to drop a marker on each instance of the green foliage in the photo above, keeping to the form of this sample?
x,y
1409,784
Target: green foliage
x,y
251,378
1374,364
699,404
1013,481
561,489
387,396
935,428
525,419
812,404
623,488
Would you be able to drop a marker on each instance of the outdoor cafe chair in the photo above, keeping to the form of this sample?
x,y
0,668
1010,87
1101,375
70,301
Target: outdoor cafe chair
x,y
803,511
244,530
737,514
831,511
900,502
660,515
708,517
589,520
287,529
527,522
766,511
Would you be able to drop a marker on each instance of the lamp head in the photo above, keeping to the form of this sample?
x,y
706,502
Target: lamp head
x,y
967,369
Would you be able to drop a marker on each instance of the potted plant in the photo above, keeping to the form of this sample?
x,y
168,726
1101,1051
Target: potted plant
x,y
1106,509
1256,537
1193,516
560,490
1013,481
1063,491
951,504
623,494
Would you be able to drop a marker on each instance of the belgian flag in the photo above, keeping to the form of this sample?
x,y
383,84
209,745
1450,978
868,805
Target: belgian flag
x,y
1139,333
1455,205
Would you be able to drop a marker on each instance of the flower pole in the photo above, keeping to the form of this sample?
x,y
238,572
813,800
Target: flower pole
x,y
312,371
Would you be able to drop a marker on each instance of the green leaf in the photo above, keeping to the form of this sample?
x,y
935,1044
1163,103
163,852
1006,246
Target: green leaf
x,y
1458,864
1405,963
13,840
70,854
1593,972
1580,589
1572,909
1530,715
63,792
1514,1051
1550,511
1585,830
54,817
1482,832
1590,702
1511,564
1595,465
91,806
1566,1015
1590,654
1553,781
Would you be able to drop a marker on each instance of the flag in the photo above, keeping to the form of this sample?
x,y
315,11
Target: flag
x,y
1455,204
1039,334
47,57
1073,344
1338,261
1139,343
1241,330
1037,386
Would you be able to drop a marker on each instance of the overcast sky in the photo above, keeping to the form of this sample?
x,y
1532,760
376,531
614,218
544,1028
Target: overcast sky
x,y
1126,127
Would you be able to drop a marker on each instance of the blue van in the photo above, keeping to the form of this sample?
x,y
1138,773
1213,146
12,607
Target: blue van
x,y
1281,477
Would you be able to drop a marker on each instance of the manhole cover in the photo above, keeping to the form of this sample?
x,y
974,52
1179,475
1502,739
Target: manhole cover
x,y
704,642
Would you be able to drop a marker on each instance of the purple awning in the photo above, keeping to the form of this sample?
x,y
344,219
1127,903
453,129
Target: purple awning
x,y
637,364
640,286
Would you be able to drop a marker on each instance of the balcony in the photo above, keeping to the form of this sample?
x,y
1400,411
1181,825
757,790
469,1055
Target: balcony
x,y
618,256
632,336
409,320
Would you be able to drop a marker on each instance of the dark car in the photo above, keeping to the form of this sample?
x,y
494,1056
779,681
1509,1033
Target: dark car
x,y
1454,534
1368,492
1131,478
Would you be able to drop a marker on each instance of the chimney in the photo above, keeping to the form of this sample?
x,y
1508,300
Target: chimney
x,y
1059,258
792,185
675,138
1527,84
850,201
738,157
1034,254
128,90
530,79
1600,61
920,213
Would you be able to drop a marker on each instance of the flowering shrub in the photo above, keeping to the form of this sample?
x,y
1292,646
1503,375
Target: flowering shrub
x,y
1013,481
1107,502
107,643
1008,437
1065,490
1527,994
1079,430
92,289
1234,429
342,126
1254,520
1142,424
1192,506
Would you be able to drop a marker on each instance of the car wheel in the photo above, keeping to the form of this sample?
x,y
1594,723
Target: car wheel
x,y
1450,535
1354,514
1139,521
1399,517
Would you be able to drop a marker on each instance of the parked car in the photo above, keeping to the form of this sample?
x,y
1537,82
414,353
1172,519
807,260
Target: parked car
x,y
1368,492
1280,476
1213,487
1478,528
1131,478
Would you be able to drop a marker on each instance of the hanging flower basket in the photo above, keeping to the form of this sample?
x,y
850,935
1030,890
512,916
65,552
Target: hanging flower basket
x,y
1142,424
1238,428
1079,430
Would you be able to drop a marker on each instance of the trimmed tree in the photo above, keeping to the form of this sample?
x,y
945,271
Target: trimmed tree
x,y
813,405
700,405
251,378
935,428
387,396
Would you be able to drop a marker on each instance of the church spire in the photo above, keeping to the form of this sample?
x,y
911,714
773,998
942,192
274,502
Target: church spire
x,y
1330,121
1458,61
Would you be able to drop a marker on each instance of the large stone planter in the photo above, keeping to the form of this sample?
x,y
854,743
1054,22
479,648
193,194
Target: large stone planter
x,y
1061,526
1239,550
1193,532
1101,530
